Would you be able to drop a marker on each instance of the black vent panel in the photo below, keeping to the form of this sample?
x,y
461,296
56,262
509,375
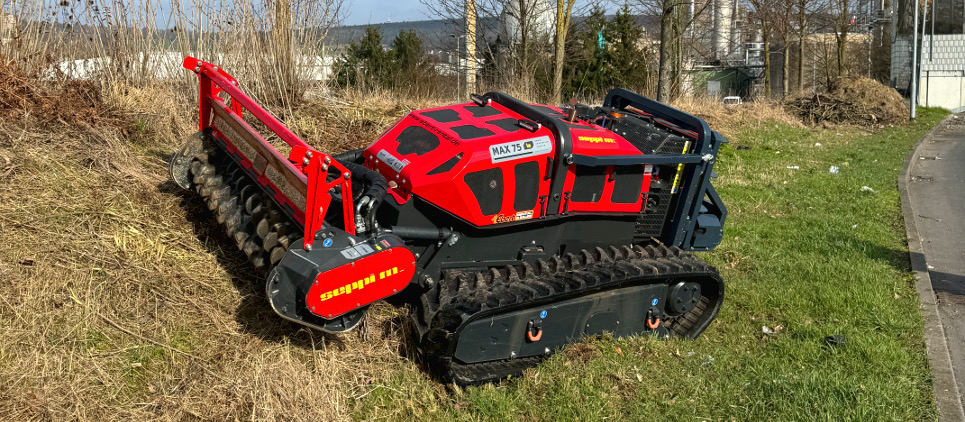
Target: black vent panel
x,y
416,140
442,116
487,187
444,167
627,184
478,111
588,186
509,125
527,185
472,132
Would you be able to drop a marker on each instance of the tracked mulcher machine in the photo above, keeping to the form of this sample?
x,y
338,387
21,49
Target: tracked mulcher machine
x,y
508,229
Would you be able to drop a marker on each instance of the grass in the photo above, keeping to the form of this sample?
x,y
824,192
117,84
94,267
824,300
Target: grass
x,y
121,301
807,253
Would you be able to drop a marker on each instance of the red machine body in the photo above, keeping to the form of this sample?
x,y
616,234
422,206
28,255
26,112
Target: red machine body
x,y
507,229
431,153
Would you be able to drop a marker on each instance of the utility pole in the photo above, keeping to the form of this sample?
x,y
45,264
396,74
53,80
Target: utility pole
x,y
470,47
914,64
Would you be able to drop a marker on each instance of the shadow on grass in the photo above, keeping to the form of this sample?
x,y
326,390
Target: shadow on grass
x,y
254,313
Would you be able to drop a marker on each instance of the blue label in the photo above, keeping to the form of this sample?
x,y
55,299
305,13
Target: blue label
x,y
327,243
542,314
654,303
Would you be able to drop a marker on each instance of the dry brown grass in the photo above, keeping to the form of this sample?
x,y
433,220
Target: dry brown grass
x,y
122,300
730,118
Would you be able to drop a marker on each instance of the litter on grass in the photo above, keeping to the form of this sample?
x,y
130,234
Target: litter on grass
x,y
834,170
868,189
794,167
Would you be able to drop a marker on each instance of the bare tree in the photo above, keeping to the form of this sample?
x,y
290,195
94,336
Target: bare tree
x,y
764,16
782,25
840,14
523,28
564,10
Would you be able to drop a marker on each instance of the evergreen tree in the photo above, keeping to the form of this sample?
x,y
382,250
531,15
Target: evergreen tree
x,y
410,65
586,66
364,62
625,57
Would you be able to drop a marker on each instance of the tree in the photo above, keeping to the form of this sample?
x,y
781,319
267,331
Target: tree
x,y
841,24
626,58
586,68
764,14
364,62
782,13
667,39
564,9
409,65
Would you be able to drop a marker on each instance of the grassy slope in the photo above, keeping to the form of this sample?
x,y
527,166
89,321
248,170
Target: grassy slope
x,y
117,303
804,250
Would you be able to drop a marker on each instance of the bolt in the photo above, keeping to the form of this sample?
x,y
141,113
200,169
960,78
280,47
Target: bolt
x,y
347,175
328,159
533,242
316,282
324,167
305,161
358,305
308,154
329,315
417,256
313,309
308,247
395,290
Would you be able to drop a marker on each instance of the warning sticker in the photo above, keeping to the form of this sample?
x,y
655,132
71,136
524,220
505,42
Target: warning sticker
x,y
393,162
520,149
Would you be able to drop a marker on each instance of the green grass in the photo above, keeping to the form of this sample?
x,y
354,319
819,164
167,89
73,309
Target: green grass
x,y
806,253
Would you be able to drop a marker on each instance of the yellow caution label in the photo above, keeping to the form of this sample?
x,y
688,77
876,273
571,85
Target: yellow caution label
x,y
680,170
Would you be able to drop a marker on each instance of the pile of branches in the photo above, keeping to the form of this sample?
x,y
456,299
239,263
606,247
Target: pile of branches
x,y
856,101
49,100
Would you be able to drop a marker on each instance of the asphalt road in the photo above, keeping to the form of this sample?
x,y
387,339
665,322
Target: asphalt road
x,y
934,185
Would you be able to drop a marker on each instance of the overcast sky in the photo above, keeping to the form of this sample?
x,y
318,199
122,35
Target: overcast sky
x,y
362,12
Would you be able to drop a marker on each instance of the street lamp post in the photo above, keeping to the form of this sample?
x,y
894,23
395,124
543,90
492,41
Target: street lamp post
x,y
458,64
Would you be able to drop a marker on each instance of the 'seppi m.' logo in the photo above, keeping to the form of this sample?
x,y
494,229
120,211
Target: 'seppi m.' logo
x,y
358,284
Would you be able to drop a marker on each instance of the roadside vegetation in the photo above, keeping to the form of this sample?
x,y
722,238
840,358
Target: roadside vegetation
x,y
120,299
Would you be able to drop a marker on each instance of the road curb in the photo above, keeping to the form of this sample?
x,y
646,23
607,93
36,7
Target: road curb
x,y
947,396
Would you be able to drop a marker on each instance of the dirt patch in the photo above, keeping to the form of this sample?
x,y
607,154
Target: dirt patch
x,y
856,101
581,353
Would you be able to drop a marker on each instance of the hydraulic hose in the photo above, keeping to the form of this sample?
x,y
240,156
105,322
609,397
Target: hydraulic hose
x,y
377,186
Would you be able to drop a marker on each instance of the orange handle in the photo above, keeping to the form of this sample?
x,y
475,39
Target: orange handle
x,y
531,337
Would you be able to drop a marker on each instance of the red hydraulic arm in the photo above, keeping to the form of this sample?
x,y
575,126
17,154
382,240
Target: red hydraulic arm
x,y
299,181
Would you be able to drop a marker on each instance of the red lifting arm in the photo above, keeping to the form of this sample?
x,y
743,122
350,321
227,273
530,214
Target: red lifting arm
x,y
298,181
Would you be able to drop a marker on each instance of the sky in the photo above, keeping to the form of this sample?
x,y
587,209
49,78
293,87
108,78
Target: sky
x,y
362,12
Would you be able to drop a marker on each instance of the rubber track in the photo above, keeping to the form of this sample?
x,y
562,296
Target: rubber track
x,y
462,296
257,226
